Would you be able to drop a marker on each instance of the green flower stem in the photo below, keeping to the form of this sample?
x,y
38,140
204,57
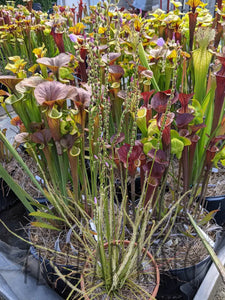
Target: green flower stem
x,y
185,168
84,177
101,249
94,142
83,169
132,182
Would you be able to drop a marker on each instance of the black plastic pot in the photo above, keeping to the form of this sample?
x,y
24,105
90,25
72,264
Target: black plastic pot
x,y
137,189
217,202
69,272
182,283
7,196
37,6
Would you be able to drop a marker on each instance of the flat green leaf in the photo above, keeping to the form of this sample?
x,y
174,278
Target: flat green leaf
x,y
44,225
210,250
144,62
206,101
24,197
188,234
208,217
45,215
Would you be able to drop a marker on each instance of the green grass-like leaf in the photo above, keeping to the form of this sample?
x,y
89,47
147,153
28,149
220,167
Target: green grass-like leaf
x,y
24,197
208,217
44,225
44,215
217,262
144,62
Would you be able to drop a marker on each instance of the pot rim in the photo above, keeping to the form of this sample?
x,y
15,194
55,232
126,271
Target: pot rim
x,y
215,198
185,269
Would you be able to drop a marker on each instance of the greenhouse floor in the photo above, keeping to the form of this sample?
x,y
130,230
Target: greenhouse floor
x,y
17,285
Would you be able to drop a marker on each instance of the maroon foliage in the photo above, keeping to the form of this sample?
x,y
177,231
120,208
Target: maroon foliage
x,y
160,100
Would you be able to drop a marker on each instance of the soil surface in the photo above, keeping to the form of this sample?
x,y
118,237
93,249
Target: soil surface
x,y
16,171
216,184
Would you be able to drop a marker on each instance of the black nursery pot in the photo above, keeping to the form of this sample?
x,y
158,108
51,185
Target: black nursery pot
x,y
182,283
137,189
217,202
7,196
69,272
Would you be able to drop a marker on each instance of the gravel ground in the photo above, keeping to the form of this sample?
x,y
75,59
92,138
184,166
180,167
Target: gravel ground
x,y
220,291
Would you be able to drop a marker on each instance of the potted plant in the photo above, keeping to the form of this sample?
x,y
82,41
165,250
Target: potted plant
x,y
188,123
55,135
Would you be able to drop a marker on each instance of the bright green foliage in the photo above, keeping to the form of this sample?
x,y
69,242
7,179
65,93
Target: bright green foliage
x,y
201,61
220,157
177,143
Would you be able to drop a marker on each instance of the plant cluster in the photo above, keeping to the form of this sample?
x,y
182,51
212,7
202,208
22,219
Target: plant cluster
x,y
25,32
110,100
